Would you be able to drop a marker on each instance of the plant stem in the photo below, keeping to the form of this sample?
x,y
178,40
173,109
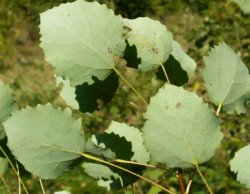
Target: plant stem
x,y
41,184
134,163
125,170
6,185
127,82
203,178
190,182
19,180
218,110
12,166
165,73
181,181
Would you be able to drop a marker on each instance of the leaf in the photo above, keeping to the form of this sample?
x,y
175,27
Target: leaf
x,y
133,135
103,174
7,106
238,106
174,71
92,97
226,76
67,92
3,166
80,40
44,139
152,40
130,148
180,130
186,62
244,5
240,164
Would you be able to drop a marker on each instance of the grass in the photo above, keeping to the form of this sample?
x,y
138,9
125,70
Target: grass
x,y
197,25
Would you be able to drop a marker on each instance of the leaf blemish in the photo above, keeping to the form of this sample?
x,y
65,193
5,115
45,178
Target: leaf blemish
x,y
110,50
178,105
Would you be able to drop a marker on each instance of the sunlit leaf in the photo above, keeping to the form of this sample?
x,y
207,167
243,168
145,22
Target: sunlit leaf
x,y
80,40
67,92
152,40
240,164
181,130
44,139
226,76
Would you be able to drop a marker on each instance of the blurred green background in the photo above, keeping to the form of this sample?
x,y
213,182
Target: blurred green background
x,y
196,24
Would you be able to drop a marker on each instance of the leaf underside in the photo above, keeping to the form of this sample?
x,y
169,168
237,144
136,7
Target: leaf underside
x,y
226,76
180,130
240,164
78,46
44,139
244,5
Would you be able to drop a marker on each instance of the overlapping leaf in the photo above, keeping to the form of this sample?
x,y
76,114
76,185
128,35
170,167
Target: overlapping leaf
x,y
180,130
67,92
92,97
7,106
80,40
226,76
240,164
151,39
3,166
44,139
130,147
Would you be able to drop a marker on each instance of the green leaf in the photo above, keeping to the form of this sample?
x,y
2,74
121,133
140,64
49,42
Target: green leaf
x,y
186,62
92,97
44,139
152,40
3,166
226,76
133,135
7,106
175,73
181,130
80,40
244,5
238,106
67,92
130,148
240,164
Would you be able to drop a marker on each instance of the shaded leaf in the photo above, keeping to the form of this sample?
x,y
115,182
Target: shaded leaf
x,y
226,76
240,164
44,139
130,148
152,40
133,135
180,130
185,61
92,97
238,106
80,39
7,105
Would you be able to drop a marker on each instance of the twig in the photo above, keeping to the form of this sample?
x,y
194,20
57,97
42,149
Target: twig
x,y
181,181
203,178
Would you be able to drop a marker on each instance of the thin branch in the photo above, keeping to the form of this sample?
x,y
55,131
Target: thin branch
x,y
125,170
181,181
190,181
218,110
165,73
134,163
6,185
203,178
19,179
12,166
127,82
41,184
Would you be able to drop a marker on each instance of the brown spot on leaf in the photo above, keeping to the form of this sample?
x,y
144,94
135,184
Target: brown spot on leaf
x,y
178,105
